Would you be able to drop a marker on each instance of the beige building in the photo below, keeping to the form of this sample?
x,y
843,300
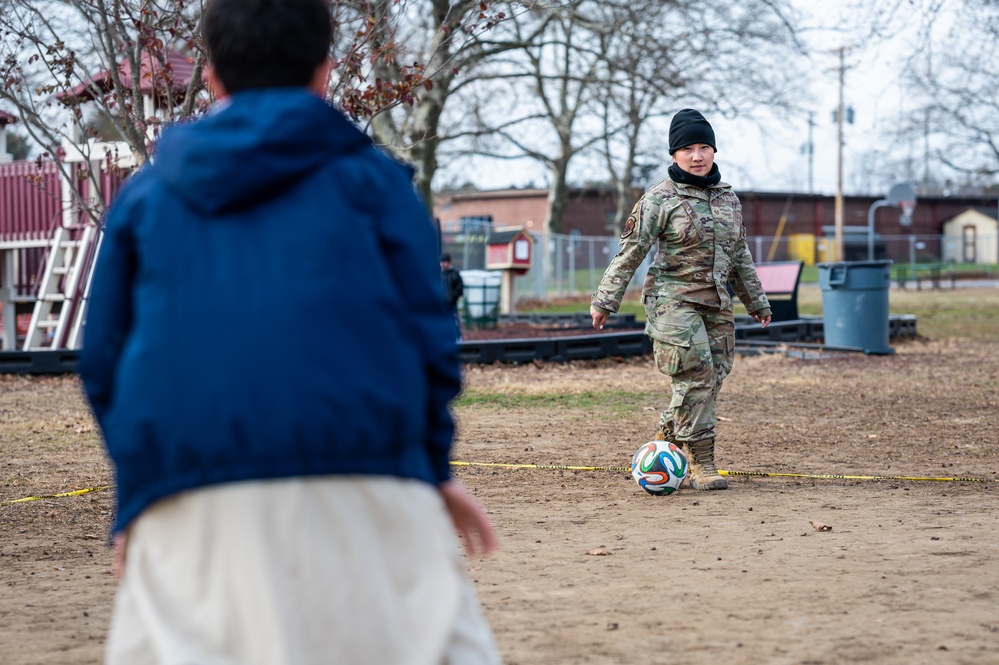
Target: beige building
x,y
971,236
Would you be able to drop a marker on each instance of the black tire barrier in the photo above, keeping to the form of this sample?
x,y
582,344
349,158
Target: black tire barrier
x,y
585,346
570,320
591,346
38,362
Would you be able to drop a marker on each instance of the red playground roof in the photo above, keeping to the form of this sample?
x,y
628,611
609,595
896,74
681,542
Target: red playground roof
x,y
7,118
152,77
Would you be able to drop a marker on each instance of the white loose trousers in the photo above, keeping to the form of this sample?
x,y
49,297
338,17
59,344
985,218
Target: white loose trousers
x,y
325,570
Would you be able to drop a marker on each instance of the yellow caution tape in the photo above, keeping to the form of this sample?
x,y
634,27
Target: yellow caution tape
x,y
625,469
723,472
832,476
85,490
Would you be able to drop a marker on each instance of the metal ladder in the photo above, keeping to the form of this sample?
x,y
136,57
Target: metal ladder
x,y
57,320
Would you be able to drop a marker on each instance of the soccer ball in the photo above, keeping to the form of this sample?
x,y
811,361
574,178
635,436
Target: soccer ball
x,y
659,467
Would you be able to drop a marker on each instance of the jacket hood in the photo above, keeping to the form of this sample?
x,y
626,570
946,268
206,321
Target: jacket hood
x,y
251,147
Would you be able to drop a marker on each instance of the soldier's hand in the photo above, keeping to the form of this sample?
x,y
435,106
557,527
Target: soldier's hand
x,y
762,320
599,318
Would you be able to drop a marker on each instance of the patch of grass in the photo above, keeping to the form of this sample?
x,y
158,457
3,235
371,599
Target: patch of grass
x,y
615,402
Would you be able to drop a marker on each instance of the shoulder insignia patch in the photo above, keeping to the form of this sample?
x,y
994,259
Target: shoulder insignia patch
x,y
629,227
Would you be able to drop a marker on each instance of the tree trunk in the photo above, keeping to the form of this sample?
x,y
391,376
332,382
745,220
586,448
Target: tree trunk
x,y
425,139
558,198
625,202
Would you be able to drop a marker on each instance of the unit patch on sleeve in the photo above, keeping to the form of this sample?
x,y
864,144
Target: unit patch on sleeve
x,y
629,227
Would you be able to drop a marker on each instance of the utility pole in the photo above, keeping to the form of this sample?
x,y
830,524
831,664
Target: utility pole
x,y
838,215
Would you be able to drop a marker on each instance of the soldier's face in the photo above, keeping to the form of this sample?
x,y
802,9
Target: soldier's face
x,y
696,158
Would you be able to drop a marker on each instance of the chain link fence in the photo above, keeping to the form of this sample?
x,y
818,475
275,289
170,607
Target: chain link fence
x,y
571,265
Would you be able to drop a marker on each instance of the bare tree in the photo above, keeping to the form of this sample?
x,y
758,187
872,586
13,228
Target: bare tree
x,y
947,65
450,38
955,75
728,58
538,101
604,69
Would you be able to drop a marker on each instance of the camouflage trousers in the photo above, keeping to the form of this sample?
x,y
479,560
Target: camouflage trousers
x,y
694,346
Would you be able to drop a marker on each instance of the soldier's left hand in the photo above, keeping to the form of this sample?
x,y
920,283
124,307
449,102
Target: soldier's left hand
x,y
762,320
599,318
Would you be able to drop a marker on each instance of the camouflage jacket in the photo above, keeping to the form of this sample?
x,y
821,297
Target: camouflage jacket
x,y
701,242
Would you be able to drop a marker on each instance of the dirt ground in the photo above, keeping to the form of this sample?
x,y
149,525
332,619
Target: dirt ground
x,y
593,570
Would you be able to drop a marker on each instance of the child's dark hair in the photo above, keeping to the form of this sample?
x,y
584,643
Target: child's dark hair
x,y
266,43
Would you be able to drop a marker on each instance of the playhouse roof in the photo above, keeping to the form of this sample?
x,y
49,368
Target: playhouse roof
x,y
989,213
505,235
7,118
153,77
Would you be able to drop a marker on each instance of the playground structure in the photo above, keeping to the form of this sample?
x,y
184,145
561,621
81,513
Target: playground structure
x,y
51,210
49,238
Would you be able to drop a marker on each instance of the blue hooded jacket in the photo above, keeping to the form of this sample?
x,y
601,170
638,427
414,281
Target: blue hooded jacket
x,y
267,303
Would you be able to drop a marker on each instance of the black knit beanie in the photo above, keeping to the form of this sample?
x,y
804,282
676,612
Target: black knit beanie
x,y
688,127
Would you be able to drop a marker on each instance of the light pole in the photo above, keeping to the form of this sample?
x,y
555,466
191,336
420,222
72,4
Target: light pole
x,y
901,196
842,114
838,208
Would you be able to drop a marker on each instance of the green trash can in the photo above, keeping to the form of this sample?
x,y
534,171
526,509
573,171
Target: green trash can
x,y
481,298
855,304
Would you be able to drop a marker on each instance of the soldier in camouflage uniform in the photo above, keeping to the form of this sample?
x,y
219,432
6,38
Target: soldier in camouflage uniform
x,y
695,221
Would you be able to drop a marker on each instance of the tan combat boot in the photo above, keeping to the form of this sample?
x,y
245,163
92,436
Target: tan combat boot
x,y
701,466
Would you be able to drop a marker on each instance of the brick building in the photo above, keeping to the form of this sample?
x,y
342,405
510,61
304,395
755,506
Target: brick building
x,y
590,212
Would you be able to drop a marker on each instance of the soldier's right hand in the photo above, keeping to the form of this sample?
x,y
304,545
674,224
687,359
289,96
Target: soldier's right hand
x,y
599,318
